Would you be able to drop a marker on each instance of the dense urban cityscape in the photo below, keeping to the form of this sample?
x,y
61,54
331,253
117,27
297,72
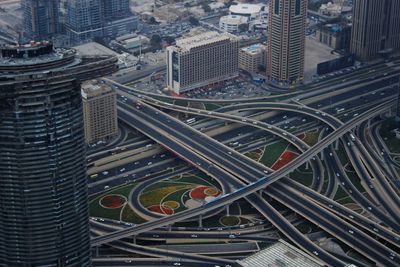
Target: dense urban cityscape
x,y
211,133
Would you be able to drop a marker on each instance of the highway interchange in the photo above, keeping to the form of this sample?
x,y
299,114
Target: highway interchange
x,y
345,108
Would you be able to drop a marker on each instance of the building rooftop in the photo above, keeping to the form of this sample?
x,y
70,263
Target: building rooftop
x,y
332,9
234,19
202,39
94,49
336,27
94,88
253,49
281,254
32,53
247,9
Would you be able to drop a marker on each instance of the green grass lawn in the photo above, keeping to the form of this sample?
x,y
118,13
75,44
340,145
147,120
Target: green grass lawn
x,y
128,215
272,152
173,188
254,155
311,138
164,99
303,176
98,211
230,220
211,106
176,196
154,197
180,102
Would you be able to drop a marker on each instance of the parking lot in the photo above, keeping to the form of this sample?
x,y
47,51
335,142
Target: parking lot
x,y
240,87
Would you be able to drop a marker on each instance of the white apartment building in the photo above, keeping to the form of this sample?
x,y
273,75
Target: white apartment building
x,y
200,61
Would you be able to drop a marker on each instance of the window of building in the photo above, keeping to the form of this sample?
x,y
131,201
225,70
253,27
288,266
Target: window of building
x,y
277,7
297,7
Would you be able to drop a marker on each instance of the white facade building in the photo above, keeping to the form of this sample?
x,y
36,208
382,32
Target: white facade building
x,y
252,11
202,61
230,23
256,14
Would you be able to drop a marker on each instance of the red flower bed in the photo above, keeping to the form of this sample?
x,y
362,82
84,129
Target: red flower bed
x,y
198,192
112,201
285,158
301,136
161,209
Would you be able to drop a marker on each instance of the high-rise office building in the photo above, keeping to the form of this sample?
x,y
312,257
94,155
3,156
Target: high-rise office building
x,y
203,60
40,19
376,28
115,9
99,111
44,218
286,43
84,20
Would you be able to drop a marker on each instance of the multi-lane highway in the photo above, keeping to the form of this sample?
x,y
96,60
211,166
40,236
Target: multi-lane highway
x,y
230,163
241,177
310,149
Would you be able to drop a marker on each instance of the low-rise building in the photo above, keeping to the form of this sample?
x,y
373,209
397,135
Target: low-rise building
x,y
251,11
253,57
99,111
204,60
231,23
134,41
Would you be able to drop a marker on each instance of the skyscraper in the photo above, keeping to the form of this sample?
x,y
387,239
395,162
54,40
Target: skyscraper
x,y
43,190
84,20
115,9
117,18
376,27
286,43
40,19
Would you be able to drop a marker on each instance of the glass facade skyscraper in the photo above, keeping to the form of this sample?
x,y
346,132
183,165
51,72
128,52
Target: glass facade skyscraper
x,y
115,9
41,19
376,28
43,190
84,20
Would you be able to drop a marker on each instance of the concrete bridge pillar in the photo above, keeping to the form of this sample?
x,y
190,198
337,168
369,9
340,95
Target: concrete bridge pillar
x,y
134,239
200,221
337,145
227,210
307,165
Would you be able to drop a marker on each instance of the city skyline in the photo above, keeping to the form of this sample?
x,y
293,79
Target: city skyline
x,y
199,133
